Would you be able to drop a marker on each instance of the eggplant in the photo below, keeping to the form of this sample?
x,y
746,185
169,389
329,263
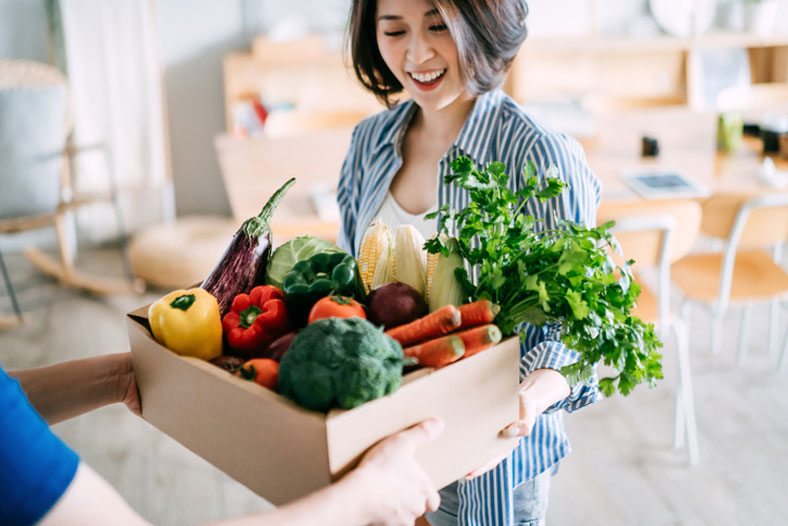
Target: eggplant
x,y
242,266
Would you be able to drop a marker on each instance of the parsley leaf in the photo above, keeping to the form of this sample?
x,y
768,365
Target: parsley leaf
x,y
560,275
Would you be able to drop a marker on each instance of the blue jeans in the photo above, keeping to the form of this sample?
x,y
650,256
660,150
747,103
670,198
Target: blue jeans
x,y
530,502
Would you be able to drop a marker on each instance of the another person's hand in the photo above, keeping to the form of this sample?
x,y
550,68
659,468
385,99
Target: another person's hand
x,y
127,385
392,482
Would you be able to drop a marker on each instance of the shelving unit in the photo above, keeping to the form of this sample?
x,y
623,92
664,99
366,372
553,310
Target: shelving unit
x,y
661,67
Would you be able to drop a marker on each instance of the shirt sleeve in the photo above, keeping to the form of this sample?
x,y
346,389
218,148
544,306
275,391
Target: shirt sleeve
x,y
542,347
348,192
36,467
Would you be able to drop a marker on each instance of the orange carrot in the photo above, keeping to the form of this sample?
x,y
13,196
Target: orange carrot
x,y
480,338
478,313
437,352
434,324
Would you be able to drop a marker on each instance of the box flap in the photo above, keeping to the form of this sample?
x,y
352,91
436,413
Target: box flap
x,y
140,316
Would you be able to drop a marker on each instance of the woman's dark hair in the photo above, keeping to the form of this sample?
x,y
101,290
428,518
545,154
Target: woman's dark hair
x,y
488,35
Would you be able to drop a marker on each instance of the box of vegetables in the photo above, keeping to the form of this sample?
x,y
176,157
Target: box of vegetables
x,y
284,366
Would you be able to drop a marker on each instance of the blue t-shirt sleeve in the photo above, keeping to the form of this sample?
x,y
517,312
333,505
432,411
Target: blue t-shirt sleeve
x,y
36,467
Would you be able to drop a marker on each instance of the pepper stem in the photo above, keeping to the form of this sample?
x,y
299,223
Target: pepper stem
x,y
258,225
248,316
183,302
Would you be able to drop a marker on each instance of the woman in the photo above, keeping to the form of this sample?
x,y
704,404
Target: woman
x,y
450,57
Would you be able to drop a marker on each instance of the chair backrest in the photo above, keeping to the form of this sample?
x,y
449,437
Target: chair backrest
x,y
746,222
654,234
764,223
34,122
644,244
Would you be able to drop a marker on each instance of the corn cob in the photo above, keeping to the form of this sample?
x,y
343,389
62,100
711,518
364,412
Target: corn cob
x,y
376,243
432,262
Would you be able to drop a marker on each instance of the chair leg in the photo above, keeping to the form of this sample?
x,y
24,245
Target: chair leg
x,y
774,325
783,363
744,334
679,421
10,287
716,331
687,397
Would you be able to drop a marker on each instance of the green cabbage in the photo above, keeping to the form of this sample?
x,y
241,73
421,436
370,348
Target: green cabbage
x,y
293,251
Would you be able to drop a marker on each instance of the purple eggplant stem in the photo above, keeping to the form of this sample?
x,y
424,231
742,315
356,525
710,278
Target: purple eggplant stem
x,y
242,267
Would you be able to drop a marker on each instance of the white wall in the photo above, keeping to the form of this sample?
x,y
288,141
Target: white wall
x,y
23,30
192,47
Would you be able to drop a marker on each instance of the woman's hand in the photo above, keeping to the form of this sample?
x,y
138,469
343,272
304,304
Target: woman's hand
x,y
541,389
392,482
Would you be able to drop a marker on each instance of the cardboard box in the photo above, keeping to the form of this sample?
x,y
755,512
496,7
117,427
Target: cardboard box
x,y
282,451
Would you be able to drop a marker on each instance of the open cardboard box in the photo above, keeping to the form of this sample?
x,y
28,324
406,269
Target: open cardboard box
x,y
282,451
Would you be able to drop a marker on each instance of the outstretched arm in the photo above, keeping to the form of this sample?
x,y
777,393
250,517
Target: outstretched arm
x,y
68,389
388,487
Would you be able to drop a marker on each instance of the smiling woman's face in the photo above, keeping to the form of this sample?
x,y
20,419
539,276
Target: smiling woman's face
x,y
418,49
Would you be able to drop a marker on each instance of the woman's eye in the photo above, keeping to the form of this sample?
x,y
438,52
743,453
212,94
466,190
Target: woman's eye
x,y
393,33
437,28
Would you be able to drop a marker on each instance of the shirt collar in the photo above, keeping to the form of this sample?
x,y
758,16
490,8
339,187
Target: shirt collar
x,y
392,135
475,136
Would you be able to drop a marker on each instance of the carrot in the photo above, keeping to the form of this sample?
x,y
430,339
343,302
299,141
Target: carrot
x,y
438,351
434,324
478,313
480,338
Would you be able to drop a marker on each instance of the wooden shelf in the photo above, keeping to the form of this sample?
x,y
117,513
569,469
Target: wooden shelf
x,y
601,43
658,68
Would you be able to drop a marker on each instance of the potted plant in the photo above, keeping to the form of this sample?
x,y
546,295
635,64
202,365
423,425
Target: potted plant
x,y
760,16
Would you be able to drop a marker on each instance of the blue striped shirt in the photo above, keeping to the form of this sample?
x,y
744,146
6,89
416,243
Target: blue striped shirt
x,y
497,129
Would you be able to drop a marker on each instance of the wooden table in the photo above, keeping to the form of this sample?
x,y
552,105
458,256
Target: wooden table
x,y
687,143
253,168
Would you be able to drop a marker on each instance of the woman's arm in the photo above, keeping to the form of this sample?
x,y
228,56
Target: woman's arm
x,y
68,389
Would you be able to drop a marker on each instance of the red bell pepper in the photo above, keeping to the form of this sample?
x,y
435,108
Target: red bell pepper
x,y
255,320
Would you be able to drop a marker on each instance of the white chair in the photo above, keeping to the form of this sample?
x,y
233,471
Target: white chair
x,y
655,234
748,270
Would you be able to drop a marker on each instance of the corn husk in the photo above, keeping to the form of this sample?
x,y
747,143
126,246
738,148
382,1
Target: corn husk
x,y
410,258
445,289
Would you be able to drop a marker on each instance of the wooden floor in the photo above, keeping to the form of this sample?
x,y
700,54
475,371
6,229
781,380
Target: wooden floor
x,y
623,470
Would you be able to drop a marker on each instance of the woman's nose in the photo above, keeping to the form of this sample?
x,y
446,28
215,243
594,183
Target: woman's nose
x,y
419,50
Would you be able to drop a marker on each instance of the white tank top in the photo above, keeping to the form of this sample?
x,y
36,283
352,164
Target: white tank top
x,y
394,216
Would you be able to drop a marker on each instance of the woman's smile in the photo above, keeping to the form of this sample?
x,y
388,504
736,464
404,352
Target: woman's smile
x,y
427,80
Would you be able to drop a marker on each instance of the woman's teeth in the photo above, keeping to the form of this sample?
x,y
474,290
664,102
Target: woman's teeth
x,y
428,77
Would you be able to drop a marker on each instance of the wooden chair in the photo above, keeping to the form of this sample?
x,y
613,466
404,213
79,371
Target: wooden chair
x,y
47,164
655,234
744,272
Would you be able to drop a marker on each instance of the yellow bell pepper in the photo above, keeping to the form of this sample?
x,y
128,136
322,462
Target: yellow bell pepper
x,y
188,323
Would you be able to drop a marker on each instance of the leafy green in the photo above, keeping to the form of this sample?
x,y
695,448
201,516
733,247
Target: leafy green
x,y
293,251
552,275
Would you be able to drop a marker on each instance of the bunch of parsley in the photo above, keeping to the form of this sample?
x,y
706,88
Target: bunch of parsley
x,y
560,275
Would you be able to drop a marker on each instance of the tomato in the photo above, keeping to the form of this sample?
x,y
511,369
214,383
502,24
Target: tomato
x,y
263,371
336,307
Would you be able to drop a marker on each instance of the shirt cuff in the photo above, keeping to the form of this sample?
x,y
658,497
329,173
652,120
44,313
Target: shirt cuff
x,y
555,355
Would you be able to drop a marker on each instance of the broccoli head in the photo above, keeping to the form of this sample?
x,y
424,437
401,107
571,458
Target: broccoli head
x,y
340,361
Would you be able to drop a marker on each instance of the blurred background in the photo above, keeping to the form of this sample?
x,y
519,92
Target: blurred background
x,y
136,136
